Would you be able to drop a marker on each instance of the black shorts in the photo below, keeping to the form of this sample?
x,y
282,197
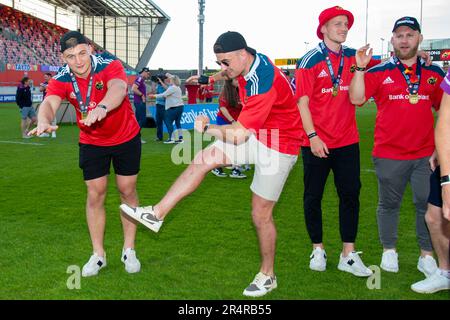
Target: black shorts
x,y
95,161
435,197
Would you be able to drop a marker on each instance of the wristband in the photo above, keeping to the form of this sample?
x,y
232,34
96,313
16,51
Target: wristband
x,y
312,135
206,128
445,180
360,68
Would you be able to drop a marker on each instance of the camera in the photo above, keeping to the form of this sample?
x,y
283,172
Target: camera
x,y
203,79
158,76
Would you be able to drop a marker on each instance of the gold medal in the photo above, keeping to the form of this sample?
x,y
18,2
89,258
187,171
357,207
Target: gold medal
x,y
83,115
335,91
413,98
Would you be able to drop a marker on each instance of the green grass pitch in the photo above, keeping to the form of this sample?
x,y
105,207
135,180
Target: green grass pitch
x,y
207,248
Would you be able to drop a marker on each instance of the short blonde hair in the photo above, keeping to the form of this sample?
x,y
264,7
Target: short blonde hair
x,y
176,80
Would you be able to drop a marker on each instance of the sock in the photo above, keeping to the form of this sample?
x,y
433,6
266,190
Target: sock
x,y
445,273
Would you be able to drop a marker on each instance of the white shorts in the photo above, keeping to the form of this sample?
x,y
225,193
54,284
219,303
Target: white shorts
x,y
272,168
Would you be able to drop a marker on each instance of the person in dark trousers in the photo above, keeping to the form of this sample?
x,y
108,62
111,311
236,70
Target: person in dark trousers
x,y
330,140
25,103
140,93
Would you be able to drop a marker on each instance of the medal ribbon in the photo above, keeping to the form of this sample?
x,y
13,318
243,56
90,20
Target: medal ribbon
x,y
83,105
334,80
413,88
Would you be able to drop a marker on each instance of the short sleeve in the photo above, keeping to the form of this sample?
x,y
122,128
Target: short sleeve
x,y
304,83
115,70
56,88
371,84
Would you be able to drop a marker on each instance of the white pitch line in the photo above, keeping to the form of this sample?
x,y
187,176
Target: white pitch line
x,y
30,143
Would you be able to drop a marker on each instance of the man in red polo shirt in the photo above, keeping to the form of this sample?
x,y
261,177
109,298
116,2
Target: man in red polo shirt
x,y
96,85
266,134
330,137
405,91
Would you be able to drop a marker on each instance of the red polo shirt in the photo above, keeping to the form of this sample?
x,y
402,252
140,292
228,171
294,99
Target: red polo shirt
x,y
333,117
403,131
269,107
120,124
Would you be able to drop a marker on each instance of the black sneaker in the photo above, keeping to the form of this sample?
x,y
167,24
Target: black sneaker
x,y
218,172
236,174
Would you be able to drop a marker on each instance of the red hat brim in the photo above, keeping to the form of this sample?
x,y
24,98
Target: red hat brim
x,y
329,14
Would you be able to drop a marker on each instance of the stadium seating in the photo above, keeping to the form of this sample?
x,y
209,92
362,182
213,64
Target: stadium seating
x,y
25,39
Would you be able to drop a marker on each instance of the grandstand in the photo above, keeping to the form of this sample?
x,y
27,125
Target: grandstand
x,y
28,40
29,37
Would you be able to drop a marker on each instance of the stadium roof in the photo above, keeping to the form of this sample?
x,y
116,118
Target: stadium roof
x,y
114,8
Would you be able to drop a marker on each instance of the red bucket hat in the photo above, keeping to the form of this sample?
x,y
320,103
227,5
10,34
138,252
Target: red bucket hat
x,y
329,14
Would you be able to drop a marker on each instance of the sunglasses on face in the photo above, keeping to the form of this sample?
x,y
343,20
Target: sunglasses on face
x,y
223,62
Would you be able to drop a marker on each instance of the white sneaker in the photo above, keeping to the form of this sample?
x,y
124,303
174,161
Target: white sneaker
x,y
93,266
318,260
432,284
144,215
261,285
427,265
389,261
132,264
353,264
44,135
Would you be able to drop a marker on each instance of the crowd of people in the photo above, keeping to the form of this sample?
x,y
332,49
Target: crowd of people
x,y
264,120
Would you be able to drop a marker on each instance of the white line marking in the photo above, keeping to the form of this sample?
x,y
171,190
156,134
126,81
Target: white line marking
x,y
30,143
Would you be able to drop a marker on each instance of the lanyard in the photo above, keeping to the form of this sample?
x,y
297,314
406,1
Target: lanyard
x,y
83,105
334,80
413,87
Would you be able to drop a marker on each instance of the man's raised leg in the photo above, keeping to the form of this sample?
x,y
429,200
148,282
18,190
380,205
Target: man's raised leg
x,y
153,216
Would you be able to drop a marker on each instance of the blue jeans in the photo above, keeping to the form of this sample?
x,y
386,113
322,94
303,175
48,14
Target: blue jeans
x,y
173,114
160,113
141,114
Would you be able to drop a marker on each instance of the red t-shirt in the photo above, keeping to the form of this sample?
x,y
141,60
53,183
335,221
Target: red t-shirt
x,y
192,90
333,117
120,124
403,131
269,107
233,111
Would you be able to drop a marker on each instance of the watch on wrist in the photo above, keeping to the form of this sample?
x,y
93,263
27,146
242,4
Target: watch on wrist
x,y
103,107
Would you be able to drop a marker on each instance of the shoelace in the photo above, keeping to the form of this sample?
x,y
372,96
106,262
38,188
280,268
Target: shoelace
x,y
260,280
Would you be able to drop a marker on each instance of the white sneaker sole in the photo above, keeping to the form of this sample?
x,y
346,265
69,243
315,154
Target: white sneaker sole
x,y
257,294
429,291
393,270
132,269
321,269
350,270
132,214
92,273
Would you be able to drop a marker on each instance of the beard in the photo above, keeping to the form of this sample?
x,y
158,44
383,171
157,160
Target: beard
x,y
410,54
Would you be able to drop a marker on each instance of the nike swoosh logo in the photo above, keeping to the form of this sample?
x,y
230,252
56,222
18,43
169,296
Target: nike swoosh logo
x,y
148,217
